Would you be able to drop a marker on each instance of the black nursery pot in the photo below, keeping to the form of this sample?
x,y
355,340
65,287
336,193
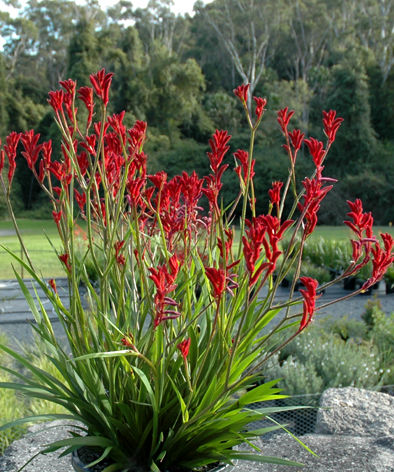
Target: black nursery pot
x,y
334,273
285,283
369,290
83,456
79,457
389,288
350,283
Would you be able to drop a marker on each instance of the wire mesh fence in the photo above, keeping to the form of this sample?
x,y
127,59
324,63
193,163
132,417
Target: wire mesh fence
x,y
300,421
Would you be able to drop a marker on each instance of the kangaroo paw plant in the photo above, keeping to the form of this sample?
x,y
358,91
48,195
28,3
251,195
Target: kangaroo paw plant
x,y
166,346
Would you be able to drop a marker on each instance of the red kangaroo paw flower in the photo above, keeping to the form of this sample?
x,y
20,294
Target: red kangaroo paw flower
x,y
184,347
68,101
81,199
361,221
90,144
274,193
56,100
317,152
29,141
217,277
242,92
83,162
159,179
47,153
57,216
86,95
260,104
116,123
309,301
52,283
126,341
243,158
331,124
296,138
69,86
136,136
164,282
101,83
120,259
313,197
219,148
64,259
10,149
1,160
381,261
284,118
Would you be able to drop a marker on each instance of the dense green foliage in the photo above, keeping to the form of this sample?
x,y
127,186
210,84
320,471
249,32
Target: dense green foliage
x,y
339,353
177,72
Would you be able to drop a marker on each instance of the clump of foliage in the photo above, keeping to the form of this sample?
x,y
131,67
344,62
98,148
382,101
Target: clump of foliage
x,y
319,360
389,277
328,253
339,353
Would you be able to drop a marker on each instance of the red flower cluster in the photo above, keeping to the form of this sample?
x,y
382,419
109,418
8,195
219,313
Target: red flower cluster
x,y
52,283
69,86
86,95
64,258
56,100
296,138
57,216
101,83
110,162
331,124
381,261
221,281
184,347
382,258
313,196
242,92
284,116
228,244
317,152
164,281
120,259
362,222
128,340
254,241
260,104
274,193
242,170
219,148
309,300
2,155
10,149
29,141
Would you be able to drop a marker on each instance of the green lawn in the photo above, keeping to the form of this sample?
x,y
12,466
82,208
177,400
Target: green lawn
x,y
343,232
47,264
41,253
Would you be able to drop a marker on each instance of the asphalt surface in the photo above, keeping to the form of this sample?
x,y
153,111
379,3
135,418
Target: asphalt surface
x,y
16,316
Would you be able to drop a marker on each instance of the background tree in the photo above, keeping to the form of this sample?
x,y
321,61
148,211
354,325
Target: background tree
x,y
178,72
245,29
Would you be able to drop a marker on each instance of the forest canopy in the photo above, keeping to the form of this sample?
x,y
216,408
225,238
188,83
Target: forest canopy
x,y
178,72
